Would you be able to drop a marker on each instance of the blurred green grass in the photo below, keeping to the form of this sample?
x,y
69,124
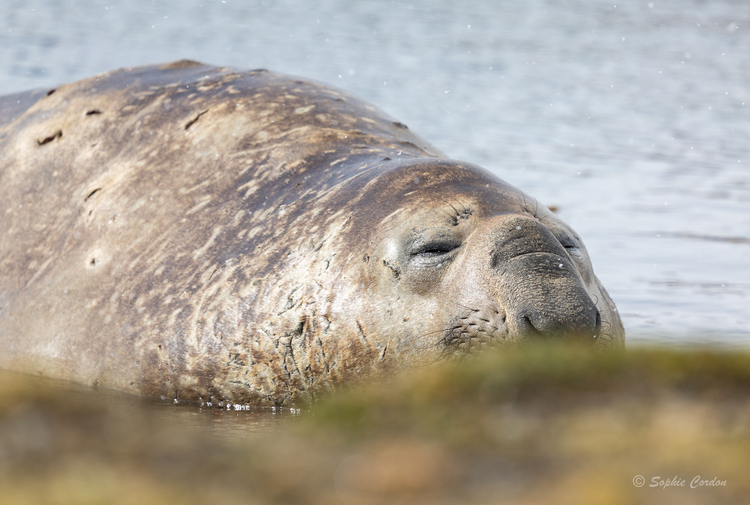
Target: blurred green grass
x,y
532,425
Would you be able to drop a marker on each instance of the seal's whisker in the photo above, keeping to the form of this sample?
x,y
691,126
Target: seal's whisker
x,y
463,306
451,218
465,209
458,214
430,333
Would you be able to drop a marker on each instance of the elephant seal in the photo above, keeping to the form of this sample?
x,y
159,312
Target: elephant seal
x,y
210,234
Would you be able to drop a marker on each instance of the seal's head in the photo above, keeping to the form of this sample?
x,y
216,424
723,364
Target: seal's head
x,y
457,258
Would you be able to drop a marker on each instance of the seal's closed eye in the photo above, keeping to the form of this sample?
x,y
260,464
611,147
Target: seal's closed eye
x,y
435,249
432,247
567,242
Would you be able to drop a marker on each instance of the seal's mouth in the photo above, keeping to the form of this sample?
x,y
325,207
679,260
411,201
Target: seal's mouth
x,y
479,329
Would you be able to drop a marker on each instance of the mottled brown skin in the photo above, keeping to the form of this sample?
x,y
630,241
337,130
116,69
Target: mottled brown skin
x,y
209,234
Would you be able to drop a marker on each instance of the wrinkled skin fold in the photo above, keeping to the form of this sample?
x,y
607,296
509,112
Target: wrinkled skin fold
x,y
211,234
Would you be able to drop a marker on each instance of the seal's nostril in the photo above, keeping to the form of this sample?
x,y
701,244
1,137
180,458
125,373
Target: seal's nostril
x,y
581,324
527,328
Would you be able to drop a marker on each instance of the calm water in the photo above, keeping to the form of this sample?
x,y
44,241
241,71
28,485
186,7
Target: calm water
x,y
634,119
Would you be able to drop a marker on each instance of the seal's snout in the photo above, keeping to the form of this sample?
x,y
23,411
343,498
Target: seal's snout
x,y
584,325
539,284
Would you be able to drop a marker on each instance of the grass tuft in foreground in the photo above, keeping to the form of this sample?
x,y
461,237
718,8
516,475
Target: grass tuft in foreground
x,y
536,425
